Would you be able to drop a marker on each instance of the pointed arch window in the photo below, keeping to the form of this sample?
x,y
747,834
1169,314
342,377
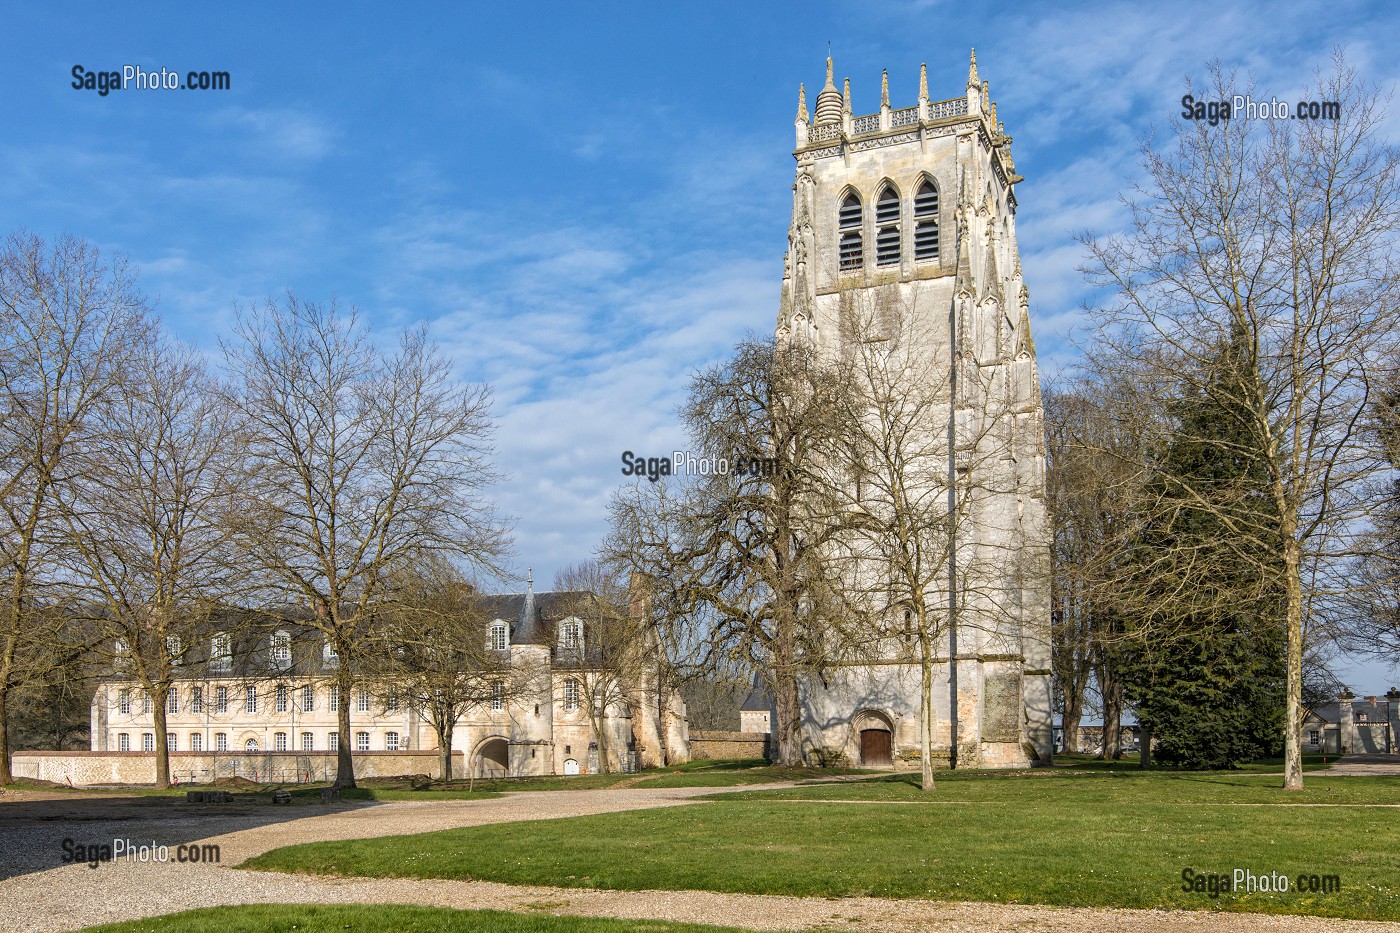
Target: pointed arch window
x,y
926,222
887,227
852,242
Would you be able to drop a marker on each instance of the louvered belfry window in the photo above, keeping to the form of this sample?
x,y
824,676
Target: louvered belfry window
x,y
926,222
852,243
887,228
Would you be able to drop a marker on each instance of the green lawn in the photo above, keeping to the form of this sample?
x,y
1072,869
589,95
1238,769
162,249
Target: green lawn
x,y
380,918
1097,839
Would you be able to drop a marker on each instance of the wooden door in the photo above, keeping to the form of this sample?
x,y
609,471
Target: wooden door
x,y
875,747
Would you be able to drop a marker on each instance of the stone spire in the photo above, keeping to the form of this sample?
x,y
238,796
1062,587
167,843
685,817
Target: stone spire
x,y
846,97
923,82
529,630
885,88
801,103
972,80
829,100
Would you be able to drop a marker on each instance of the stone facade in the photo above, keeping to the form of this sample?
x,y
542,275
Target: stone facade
x,y
1354,725
711,744
914,209
95,768
271,696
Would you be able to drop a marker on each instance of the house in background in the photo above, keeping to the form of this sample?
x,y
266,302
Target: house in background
x,y
268,691
1353,725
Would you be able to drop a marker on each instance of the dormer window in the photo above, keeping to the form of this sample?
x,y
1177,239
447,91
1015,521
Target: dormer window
x,y
926,222
121,650
570,635
887,227
220,652
852,242
329,656
500,636
174,649
282,648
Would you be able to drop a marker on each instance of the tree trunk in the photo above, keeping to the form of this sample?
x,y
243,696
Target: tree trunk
x,y
1293,726
445,753
344,763
1069,725
7,663
787,750
1112,715
926,708
6,777
158,700
600,729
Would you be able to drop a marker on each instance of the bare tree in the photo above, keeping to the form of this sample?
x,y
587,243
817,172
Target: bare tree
x,y
436,655
1277,239
360,462
146,522
68,320
735,557
613,656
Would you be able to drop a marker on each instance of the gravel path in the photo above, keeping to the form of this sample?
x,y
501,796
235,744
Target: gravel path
x,y
38,894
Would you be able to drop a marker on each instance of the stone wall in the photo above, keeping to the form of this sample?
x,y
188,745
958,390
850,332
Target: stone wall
x,y
89,768
705,744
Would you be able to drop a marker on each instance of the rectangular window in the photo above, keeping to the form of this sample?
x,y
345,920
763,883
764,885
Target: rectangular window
x,y
361,741
146,703
220,652
498,696
123,742
279,741
308,699
196,699
172,701
362,705
333,741
221,699
250,699
281,698
391,742
196,741
571,694
171,742
499,636
335,699
308,741
220,742
148,741
1312,737
124,701
391,703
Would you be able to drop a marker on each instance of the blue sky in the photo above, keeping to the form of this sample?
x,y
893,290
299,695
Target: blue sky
x,y
584,201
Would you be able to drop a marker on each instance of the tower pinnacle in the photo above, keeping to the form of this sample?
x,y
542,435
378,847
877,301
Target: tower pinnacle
x,y
801,103
885,88
829,100
923,82
972,71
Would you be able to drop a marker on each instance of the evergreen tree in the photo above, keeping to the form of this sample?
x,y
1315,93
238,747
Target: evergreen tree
x,y
1207,674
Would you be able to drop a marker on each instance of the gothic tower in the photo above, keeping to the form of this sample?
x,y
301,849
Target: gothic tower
x,y
914,210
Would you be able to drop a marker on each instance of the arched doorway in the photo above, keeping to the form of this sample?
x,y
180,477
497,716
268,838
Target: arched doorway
x,y
493,758
874,735
570,766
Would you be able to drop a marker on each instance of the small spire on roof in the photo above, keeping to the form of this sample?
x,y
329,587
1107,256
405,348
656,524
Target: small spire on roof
x,y
923,82
801,103
972,71
885,88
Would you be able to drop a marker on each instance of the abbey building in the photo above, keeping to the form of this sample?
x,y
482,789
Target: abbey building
x,y
904,221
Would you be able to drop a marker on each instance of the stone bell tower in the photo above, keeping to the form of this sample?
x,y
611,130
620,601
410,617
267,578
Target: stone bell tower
x,y
914,208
